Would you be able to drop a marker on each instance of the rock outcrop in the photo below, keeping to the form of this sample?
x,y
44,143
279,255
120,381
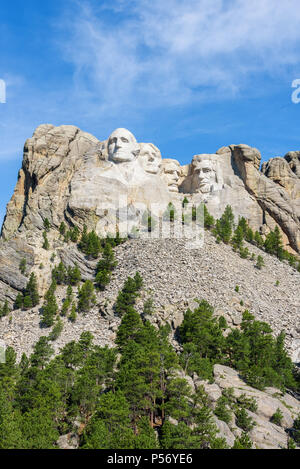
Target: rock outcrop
x,y
70,176
265,434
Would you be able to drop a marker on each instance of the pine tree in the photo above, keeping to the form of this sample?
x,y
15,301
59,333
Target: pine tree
x,y
86,297
111,426
59,274
57,330
31,291
273,243
127,296
224,226
260,262
62,228
50,309
22,266
47,225
149,221
238,237
249,235
73,275
46,244
42,353
105,267
129,328
258,239
4,311
74,234
27,302
170,213
10,422
19,301
209,220
73,314
243,442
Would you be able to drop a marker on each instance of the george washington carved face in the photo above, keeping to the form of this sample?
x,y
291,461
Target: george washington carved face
x,y
122,146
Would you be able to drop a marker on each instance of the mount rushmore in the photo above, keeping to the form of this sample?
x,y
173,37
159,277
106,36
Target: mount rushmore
x,y
69,175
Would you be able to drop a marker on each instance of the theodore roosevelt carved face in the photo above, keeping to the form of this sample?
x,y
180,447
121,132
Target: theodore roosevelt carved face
x,y
122,146
171,172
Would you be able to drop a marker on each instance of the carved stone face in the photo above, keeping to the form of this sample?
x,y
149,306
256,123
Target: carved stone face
x,y
205,175
150,158
122,146
171,174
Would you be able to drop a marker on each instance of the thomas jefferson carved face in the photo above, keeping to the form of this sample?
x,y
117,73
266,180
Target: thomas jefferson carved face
x,y
171,174
150,158
205,174
122,146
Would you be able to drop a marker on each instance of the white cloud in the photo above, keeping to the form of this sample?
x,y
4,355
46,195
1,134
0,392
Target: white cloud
x,y
153,53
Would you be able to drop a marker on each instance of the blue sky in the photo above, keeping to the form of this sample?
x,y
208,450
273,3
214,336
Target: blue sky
x,y
187,76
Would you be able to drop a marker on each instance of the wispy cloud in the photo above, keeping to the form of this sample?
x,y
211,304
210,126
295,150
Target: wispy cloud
x,y
173,52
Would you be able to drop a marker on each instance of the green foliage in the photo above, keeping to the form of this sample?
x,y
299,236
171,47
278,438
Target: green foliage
x,y
4,310
59,274
149,221
261,358
209,220
295,433
273,243
73,314
68,301
22,266
74,275
258,239
62,228
185,202
27,302
243,442
277,417
19,301
47,225
224,226
260,262
129,329
248,403
90,244
105,267
170,213
222,323
202,340
46,244
31,291
238,238
86,297
249,237
66,276
222,411
110,428
57,330
50,307
243,420
148,309
127,296
244,252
